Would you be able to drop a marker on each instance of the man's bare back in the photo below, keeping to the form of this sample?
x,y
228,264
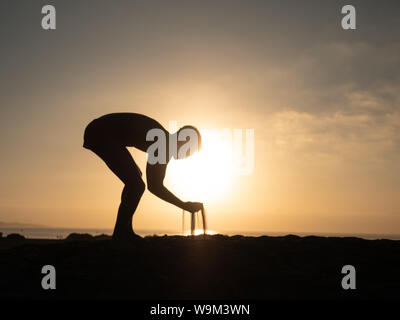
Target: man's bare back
x,y
127,129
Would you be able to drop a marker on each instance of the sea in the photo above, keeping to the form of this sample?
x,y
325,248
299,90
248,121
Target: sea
x,y
62,233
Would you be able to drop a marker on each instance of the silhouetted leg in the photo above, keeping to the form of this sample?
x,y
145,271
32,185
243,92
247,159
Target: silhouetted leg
x,y
129,201
121,163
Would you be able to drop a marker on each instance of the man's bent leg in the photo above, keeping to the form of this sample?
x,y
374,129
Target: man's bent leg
x,y
129,201
121,163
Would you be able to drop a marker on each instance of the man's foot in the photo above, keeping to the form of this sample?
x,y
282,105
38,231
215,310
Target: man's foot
x,y
126,237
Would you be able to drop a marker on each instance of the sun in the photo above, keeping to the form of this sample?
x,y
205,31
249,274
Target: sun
x,y
205,176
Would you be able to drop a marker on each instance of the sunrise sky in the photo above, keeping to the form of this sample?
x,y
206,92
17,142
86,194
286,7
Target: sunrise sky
x,y
324,104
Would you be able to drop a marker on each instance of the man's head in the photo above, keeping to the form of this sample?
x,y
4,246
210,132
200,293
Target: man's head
x,y
188,141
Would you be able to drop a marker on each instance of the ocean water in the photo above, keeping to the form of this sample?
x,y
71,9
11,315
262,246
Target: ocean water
x,y
62,233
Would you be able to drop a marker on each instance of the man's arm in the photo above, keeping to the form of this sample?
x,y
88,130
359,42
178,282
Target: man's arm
x,y
155,175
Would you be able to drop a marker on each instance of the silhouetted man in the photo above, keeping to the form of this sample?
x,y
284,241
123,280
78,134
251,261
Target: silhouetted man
x,y
108,137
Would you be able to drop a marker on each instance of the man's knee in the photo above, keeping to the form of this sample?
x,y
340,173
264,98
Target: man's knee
x,y
141,187
133,190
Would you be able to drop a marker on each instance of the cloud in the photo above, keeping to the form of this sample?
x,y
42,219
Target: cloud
x,y
349,76
342,137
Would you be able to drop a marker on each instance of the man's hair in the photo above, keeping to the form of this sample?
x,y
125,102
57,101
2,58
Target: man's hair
x,y
197,133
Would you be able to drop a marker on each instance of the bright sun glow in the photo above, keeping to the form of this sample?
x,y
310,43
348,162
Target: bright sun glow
x,y
198,232
206,175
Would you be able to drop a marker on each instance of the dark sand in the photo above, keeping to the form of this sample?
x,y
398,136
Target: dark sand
x,y
203,267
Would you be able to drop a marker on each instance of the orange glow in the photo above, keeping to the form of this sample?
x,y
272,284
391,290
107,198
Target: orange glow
x,y
207,175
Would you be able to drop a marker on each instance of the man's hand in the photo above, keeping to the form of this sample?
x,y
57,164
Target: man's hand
x,y
193,206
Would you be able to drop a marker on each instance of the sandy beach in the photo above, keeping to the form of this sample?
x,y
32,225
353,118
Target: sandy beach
x,y
201,267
